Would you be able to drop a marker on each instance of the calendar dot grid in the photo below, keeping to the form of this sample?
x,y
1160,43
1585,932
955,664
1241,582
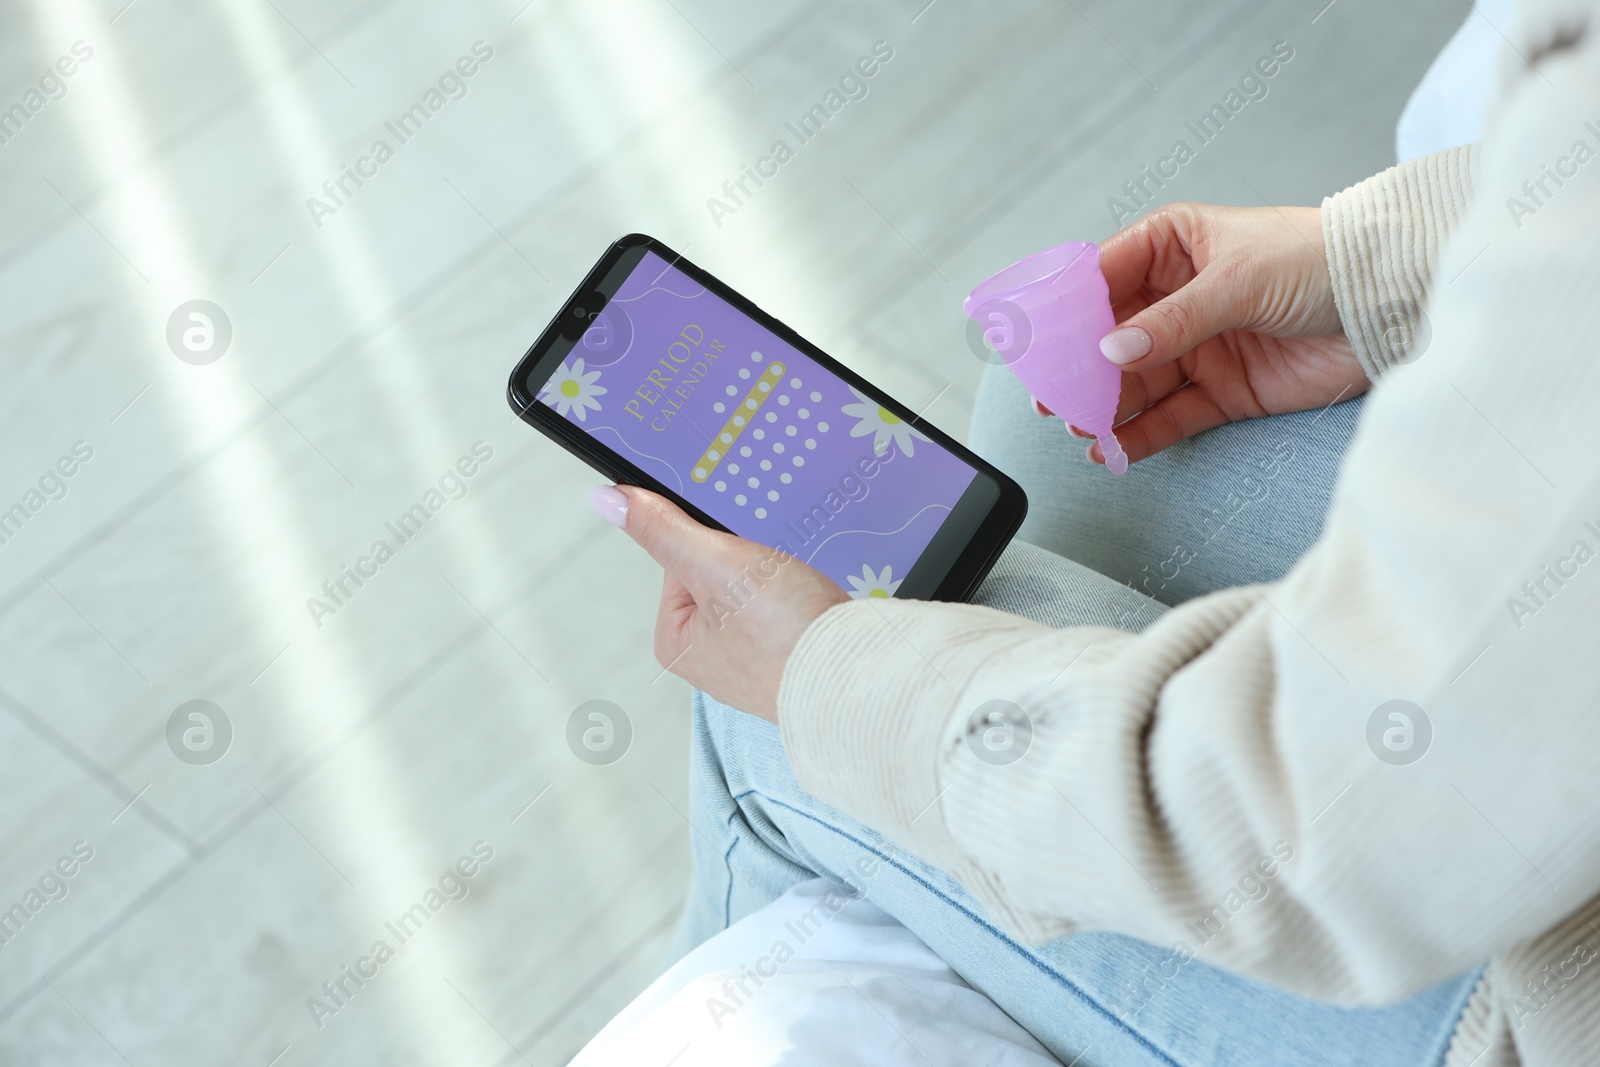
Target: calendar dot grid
x,y
735,426
746,415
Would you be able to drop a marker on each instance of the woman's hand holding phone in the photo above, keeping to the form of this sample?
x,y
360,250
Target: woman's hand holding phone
x,y
731,610
1223,314
660,375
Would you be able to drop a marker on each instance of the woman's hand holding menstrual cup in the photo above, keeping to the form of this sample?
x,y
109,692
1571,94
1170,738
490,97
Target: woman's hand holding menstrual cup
x,y
1223,314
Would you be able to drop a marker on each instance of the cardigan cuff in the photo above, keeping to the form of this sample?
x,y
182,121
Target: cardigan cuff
x,y
1383,237
855,726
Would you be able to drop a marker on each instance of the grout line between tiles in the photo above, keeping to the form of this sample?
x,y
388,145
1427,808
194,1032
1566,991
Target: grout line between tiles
x,y
200,850
963,231
662,922
235,101
86,763
399,310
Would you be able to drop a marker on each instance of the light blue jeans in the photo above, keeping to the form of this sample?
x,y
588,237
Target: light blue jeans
x,y
1236,505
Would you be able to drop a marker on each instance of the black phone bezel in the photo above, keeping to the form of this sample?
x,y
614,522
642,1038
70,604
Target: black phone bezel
x,y
954,563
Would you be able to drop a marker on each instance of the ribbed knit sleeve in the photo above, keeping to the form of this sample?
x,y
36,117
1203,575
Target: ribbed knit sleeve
x,y
1382,238
1380,771
889,704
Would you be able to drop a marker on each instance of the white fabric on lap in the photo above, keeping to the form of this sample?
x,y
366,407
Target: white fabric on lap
x,y
814,979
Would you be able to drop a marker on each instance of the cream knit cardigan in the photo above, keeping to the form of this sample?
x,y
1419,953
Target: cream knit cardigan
x,y
1459,569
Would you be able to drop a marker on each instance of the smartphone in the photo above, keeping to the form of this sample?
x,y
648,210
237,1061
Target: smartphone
x,y
658,375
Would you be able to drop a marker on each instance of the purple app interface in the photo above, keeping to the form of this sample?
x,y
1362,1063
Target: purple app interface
x,y
755,433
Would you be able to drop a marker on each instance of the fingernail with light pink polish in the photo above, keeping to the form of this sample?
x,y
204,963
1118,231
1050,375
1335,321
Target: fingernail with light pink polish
x,y
1125,345
610,503
1039,409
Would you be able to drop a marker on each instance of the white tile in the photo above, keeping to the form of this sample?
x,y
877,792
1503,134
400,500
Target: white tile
x,y
78,857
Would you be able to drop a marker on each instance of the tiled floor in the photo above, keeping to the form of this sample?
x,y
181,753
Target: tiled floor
x,y
373,747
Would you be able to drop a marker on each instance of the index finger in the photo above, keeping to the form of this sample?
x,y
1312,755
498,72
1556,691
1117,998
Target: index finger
x,y
1125,259
1156,244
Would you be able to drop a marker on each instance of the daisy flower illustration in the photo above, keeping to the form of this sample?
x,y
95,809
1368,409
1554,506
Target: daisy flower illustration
x,y
870,584
571,391
884,424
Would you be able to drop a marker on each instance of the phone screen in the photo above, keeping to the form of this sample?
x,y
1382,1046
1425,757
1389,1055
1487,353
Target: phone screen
x,y
754,432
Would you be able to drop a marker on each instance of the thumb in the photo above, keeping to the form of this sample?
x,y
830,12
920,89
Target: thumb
x,y
683,547
1173,325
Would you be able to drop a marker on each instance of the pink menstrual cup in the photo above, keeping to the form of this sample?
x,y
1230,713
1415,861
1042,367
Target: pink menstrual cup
x,y
1045,317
